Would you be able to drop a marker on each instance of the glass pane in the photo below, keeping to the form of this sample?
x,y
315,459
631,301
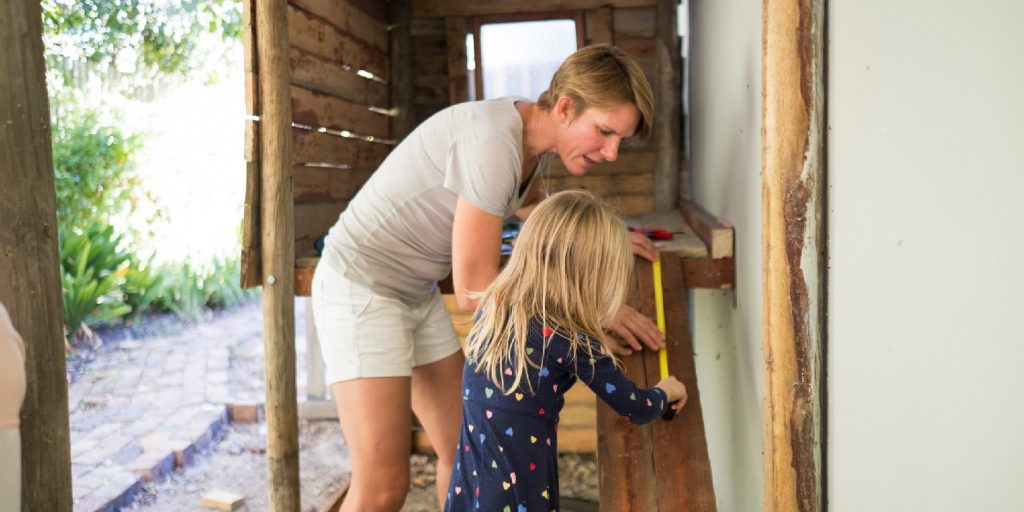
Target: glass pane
x,y
519,58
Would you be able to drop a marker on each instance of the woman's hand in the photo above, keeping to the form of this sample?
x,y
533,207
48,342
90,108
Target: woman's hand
x,y
631,328
643,246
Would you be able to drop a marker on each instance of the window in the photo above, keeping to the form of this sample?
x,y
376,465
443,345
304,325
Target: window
x,y
516,56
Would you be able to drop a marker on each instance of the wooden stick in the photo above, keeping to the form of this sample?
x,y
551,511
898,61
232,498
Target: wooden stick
x,y
278,253
29,262
716,233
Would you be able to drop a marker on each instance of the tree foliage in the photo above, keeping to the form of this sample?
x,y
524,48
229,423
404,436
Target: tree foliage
x,y
139,36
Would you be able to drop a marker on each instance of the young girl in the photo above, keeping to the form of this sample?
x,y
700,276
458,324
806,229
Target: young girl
x,y
538,330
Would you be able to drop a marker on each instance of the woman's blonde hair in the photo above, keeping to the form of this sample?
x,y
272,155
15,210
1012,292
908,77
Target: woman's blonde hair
x,y
570,270
602,76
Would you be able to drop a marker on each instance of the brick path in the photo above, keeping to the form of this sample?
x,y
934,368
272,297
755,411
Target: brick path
x,y
145,407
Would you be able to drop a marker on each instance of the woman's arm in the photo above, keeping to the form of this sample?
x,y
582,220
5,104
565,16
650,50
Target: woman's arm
x,y
476,251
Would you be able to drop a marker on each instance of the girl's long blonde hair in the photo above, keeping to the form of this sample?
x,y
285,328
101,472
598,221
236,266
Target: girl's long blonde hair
x,y
570,269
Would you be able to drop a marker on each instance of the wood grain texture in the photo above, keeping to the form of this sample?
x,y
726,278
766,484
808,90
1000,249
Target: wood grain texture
x,y
348,18
717,234
316,184
626,465
667,120
278,253
459,77
598,24
443,8
402,84
793,247
30,284
251,259
310,33
316,109
322,75
325,148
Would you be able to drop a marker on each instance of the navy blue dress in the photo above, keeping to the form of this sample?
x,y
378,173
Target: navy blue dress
x,y
507,456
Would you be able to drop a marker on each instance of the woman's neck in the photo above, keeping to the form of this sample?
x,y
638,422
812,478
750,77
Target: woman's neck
x,y
538,130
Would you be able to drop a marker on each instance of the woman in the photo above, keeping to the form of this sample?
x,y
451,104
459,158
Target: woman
x,y
436,206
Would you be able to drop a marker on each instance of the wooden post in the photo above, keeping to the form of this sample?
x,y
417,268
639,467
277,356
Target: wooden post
x,y
401,69
793,248
667,112
278,253
458,75
29,259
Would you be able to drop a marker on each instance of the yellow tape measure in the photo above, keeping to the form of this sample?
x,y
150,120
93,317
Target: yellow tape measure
x,y
659,306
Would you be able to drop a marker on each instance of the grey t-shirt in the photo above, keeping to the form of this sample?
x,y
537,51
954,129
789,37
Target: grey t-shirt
x,y
396,234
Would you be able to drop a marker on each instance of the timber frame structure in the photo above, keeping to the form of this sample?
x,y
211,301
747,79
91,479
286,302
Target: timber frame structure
x,y
331,85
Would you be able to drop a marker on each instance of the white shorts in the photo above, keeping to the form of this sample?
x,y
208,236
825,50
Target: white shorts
x,y
364,334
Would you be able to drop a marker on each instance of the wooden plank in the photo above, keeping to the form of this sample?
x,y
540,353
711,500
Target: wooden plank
x,y
709,273
629,162
444,8
375,8
319,74
603,185
639,48
347,18
278,253
685,242
626,471
432,89
635,22
30,283
324,148
402,85
717,234
431,64
792,209
456,29
315,109
633,204
681,461
667,120
313,220
317,184
599,26
311,34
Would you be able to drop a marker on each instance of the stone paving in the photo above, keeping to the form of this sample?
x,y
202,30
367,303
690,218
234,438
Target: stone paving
x,y
145,407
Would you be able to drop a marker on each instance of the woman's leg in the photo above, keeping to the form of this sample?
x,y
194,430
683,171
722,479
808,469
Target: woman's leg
x,y
375,418
437,401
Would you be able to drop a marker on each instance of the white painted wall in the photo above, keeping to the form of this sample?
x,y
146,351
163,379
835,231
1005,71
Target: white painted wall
x,y
926,168
725,142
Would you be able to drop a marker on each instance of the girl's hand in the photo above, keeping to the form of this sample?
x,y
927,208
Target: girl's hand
x,y
643,246
631,328
676,392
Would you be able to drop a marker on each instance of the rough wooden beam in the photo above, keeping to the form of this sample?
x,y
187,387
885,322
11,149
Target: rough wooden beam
x,y
252,265
667,111
717,234
444,8
278,253
402,83
29,262
792,244
456,29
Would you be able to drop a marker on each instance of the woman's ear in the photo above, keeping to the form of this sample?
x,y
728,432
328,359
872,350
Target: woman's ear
x,y
564,109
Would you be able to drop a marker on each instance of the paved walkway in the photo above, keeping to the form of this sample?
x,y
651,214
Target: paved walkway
x,y
145,407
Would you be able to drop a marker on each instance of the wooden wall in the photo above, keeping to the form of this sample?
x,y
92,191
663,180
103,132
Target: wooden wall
x,y
629,24
341,124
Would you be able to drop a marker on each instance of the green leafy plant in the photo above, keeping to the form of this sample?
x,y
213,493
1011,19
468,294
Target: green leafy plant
x,y
93,169
183,292
143,286
93,266
220,285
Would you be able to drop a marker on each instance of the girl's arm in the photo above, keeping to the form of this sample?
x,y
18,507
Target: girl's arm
x,y
599,373
476,251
